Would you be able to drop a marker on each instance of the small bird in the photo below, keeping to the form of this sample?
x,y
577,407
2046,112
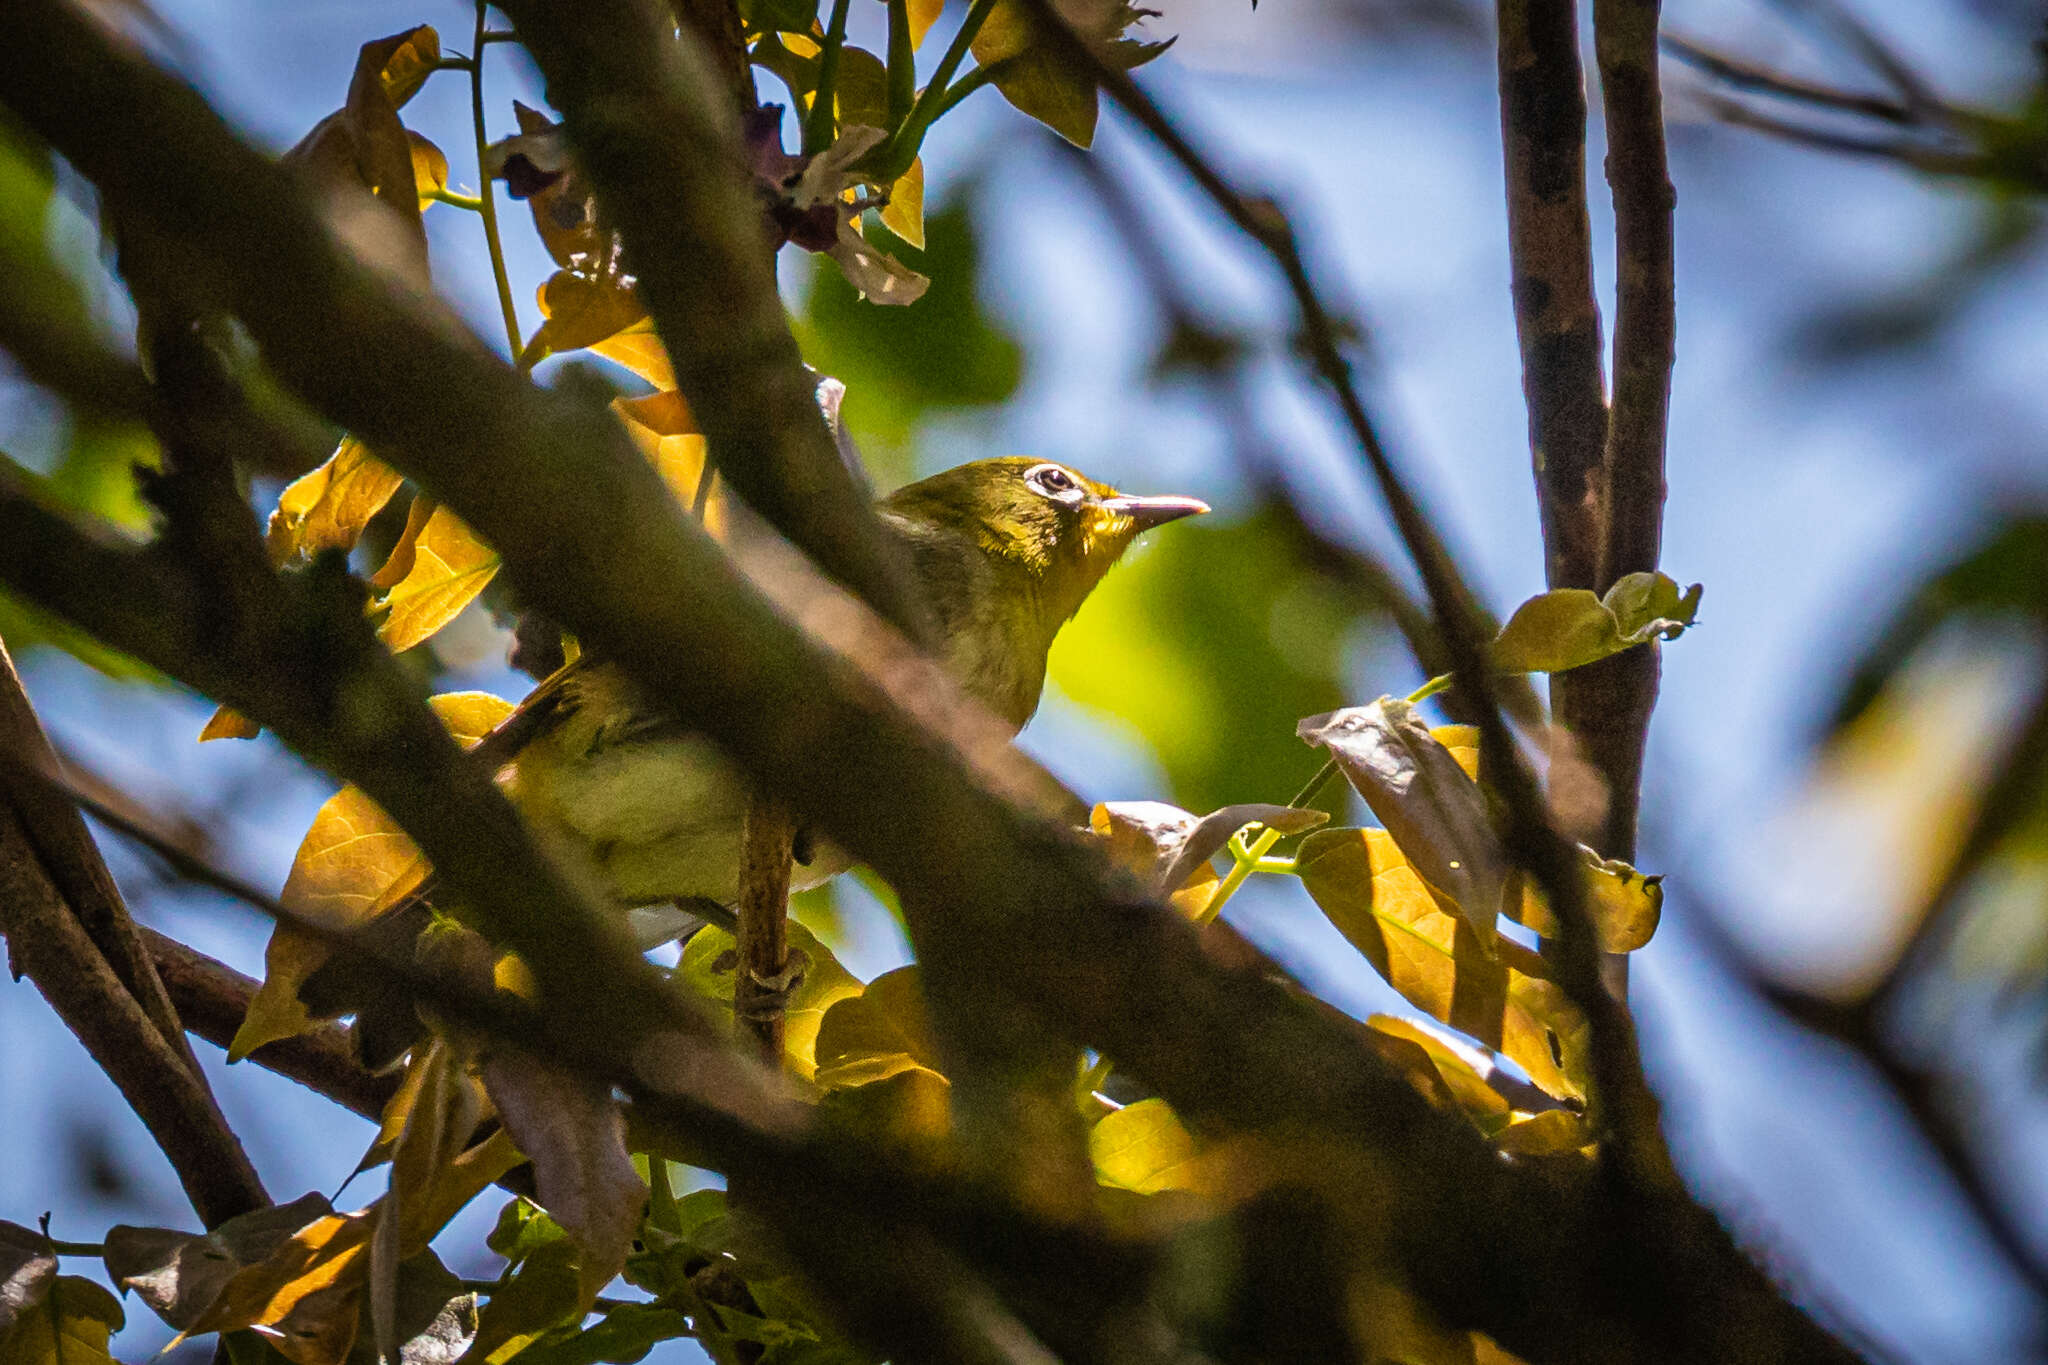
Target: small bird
x,y
1005,551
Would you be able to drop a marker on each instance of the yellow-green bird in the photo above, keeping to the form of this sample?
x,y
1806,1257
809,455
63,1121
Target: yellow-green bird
x,y
1005,550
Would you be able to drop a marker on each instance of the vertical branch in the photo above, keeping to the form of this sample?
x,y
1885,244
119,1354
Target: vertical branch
x,y
1543,133
1608,705
487,192
717,28
762,980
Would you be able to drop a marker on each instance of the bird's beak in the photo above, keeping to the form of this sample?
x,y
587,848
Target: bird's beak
x,y
1150,512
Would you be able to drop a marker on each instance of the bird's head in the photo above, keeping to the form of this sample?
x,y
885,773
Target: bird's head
x,y
1062,529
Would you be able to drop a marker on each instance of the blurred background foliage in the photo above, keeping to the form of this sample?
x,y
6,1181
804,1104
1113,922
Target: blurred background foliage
x,y
1857,475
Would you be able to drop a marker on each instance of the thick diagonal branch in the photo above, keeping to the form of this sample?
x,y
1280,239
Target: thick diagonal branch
x,y
68,931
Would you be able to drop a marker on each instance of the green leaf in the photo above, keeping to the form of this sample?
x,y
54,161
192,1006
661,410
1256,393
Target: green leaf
x,y
1362,882
882,1032
786,16
1430,806
1041,79
1143,1147
544,1293
1568,628
622,1336
70,1325
707,967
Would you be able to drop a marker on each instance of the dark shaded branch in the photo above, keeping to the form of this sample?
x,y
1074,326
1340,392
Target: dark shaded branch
x,y
668,166
69,932
820,703
212,999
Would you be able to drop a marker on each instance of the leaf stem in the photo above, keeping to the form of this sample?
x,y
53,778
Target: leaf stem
x,y
902,63
1440,683
661,1210
895,155
487,198
457,201
971,82
77,1248
820,120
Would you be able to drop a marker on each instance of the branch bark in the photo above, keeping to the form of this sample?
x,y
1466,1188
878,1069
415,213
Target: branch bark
x,y
820,704
68,932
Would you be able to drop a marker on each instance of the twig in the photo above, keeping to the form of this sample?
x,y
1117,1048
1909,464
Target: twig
x,y
1759,79
69,932
487,192
814,700
763,976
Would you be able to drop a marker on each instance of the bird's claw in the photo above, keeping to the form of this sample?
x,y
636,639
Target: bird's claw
x,y
771,992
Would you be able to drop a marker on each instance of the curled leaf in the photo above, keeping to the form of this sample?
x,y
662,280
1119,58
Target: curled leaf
x,y
581,312
28,1265
1169,849
882,1032
1568,628
1624,904
1429,804
328,508
1038,75
180,1274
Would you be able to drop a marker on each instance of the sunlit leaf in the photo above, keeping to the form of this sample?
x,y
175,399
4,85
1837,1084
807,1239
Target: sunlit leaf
x,y
904,213
1481,1102
536,166
707,967
1554,1132
180,1274
450,566
1429,804
344,873
361,161
639,350
328,508
1568,628
879,1033
228,723
70,1325
923,14
581,312
1624,904
1143,1147
429,169
1424,950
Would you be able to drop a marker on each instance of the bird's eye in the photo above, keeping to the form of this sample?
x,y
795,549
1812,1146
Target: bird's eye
x,y
1054,482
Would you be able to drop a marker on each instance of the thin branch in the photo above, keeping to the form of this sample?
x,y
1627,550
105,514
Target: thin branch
x,y
816,700
764,974
1756,78
487,194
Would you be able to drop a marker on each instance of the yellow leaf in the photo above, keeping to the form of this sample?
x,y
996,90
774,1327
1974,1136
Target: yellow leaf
x,y
326,1254
881,1032
227,723
1623,904
1428,953
353,864
450,567
638,349
904,213
399,562
1143,1147
71,1325
1485,1105
328,508
1463,742
429,168
581,312
923,14
706,967
407,59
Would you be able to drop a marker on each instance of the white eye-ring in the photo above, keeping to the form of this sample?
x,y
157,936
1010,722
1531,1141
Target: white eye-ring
x,y
1054,482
